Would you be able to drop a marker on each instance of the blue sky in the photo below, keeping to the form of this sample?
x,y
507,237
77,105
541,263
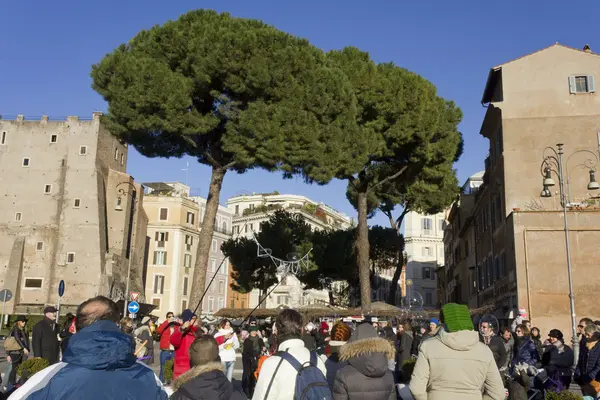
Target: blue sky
x,y
47,49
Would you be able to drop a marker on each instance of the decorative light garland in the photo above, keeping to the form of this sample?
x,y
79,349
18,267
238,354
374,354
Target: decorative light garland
x,y
284,267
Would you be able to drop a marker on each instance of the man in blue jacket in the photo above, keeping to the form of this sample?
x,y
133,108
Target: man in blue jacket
x,y
98,364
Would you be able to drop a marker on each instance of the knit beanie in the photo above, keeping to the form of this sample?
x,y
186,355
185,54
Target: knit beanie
x,y
456,317
187,315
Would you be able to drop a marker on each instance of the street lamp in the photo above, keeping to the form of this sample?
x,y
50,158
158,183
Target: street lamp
x,y
553,163
118,207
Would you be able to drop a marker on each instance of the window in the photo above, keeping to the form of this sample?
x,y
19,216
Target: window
x,y
122,158
211,304
187,260
213,265
185,286
221,302
25,162
442,225
582,84
53,138
159,284
116,153
214,245
33,283
184,304
163,214
245,228
18,216
190,218
47,189
232,303
428,298
221,287
237,208
426,273
243,304
3,141
82,150
252,227
427,252
156,302
224,226
76,203
161,238
189,242
70,258
160,257
427,225
252,206
39,246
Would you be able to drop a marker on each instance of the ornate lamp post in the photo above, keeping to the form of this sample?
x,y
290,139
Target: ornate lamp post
x,y
118,207
553,163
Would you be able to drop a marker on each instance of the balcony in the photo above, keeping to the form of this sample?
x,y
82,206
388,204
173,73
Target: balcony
x,y
225,231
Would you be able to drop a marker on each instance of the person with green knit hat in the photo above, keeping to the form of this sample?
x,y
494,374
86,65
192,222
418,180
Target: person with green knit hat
x,y
454,364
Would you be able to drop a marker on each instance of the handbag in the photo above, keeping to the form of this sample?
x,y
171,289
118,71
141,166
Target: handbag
x,y
11,344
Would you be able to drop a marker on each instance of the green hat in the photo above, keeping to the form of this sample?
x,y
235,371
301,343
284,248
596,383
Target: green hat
x,y
457,317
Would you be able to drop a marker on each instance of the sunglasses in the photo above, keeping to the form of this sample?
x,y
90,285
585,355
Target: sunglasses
x,y
580,326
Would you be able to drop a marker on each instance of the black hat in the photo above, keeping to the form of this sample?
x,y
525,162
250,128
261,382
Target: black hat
x,y
555,333
21,318
50,309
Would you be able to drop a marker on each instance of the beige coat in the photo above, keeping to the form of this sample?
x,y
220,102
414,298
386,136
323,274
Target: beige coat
x,y
456,366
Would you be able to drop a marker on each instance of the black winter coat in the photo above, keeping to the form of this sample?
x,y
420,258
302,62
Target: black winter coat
x,y
558,359
404,349
205,382
588,366
366,375
45,340
496,345
21,337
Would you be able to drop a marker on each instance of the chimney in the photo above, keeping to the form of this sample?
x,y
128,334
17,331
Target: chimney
x,y
587,48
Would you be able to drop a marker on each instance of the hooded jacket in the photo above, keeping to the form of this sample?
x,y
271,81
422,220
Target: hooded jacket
x,y
205,382
366,374
99,364
456,366
181,341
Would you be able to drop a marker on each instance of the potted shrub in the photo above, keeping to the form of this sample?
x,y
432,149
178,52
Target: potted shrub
x,y
32,366
168,370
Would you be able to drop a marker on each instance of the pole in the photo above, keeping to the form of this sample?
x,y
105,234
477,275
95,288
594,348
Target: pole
x,y
2,317
130,247
58,310
209,283
568,251
260,302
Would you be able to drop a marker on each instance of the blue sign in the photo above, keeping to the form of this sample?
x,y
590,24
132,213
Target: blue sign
x,y
133,307
61,288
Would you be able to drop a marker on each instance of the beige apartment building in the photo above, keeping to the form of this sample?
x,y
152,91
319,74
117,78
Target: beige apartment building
x,y
538,100
249,211
60,183
173,230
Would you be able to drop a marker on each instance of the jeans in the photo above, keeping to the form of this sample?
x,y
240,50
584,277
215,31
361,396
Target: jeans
x,y
17,358
165,355
229,369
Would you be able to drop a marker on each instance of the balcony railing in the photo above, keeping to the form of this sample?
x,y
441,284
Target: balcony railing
x,y
225,231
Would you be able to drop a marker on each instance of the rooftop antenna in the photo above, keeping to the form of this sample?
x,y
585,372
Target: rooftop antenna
x,y
186,169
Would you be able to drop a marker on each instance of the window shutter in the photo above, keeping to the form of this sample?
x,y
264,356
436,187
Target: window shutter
x,y
166,236
165,259
155,284
591,84
192,219
154,258
162,284
572,85
156,236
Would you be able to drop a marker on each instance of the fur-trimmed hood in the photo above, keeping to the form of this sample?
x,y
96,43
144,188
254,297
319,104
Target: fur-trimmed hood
x,y
368,356
195,372
367,346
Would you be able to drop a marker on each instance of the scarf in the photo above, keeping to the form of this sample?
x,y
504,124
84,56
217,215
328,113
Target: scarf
x,y
560,346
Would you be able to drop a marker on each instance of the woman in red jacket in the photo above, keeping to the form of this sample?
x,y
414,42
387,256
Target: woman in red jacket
x,y
181,339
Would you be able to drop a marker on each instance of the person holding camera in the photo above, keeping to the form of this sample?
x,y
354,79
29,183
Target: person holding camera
x,y
167,351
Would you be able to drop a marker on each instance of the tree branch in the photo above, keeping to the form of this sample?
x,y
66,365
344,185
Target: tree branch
x,y
400,218
389,178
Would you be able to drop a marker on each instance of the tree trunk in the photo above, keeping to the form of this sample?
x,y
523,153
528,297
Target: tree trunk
x,y
205,239
331,298
362,252
394,287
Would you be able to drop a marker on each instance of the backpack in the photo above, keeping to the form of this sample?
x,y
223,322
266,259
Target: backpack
x,y
311,384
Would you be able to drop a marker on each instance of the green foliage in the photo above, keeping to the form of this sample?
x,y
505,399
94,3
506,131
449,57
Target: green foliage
x,y
332,253
407,368
411,134
32,365
168,369
283,233
33,320
564,395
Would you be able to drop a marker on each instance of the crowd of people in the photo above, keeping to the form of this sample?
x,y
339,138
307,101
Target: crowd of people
x,y
97,355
